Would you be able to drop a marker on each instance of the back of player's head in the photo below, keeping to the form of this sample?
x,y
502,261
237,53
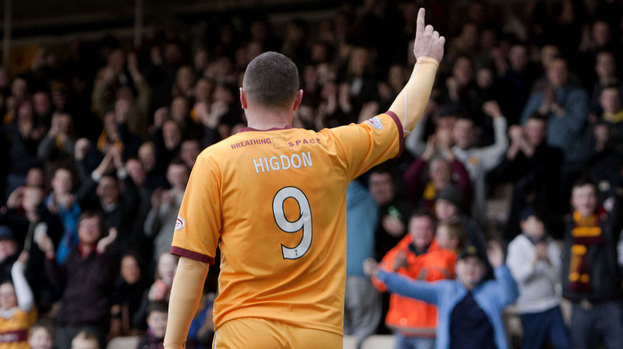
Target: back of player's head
x,y
271,80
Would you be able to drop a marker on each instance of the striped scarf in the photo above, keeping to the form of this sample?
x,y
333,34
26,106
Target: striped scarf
x,y
586,232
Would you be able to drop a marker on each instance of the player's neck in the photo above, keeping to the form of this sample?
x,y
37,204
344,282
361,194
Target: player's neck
x,y
267,119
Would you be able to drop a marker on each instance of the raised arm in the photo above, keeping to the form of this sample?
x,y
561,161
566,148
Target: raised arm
x,y
506,286
25,298
410,103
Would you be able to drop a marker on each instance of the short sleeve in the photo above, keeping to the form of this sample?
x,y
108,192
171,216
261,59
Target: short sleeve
x,y
198,225
370,143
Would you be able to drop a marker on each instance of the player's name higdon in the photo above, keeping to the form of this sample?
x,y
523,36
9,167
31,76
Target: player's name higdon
x,y
282,162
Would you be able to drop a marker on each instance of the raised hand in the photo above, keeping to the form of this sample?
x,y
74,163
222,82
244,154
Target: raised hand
x,y
81,148
393,225
495,254
370,267
45,244
431,148
116,156
105,165
492,108
428,42
23,258
400,261
104,242
542,251
515,133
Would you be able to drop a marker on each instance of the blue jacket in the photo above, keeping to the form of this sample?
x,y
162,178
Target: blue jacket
x,y
492,296
362,216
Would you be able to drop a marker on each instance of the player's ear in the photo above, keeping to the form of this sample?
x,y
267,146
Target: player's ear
x,y
298,99
243,99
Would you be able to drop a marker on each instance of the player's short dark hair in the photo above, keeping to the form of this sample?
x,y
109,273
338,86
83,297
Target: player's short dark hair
x,y
271,80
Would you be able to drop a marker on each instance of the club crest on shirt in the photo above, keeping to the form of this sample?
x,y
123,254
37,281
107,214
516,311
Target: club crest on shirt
x,y
179,223
376,123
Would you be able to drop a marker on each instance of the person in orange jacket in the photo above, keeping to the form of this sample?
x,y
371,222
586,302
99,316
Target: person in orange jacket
x,y
419,257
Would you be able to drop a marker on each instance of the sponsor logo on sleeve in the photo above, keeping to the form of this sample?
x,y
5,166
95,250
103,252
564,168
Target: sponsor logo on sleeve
x,y
179,223
376,123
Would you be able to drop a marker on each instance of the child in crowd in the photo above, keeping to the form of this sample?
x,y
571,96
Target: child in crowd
x,y
17,309
161,287
450,235
41,336
157,313
159,291
469,308
85,340
534,261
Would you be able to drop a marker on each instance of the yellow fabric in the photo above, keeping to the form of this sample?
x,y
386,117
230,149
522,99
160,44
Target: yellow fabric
x,y
238,192
412,100
430,192
8,117
586,231
261,333
613,118
194,115
581,221
185,296
102,142
18,324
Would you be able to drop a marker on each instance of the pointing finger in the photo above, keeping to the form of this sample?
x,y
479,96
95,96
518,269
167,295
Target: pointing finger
x,y
419,29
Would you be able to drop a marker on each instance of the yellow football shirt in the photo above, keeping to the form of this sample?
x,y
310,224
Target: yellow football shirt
x,y
274,201
14,329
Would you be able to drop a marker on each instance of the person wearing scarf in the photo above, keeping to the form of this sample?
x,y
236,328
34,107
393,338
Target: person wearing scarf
x,y
591,277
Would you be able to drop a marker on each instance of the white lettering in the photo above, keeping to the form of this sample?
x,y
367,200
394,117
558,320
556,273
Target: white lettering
x,y
307,162
258,165
282,162
297,157
266,162
274,163
285,162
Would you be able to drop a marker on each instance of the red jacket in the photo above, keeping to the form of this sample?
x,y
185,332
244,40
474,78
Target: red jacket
x,y
406,315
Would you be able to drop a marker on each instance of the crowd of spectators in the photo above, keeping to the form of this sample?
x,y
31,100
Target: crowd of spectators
x,y
98,145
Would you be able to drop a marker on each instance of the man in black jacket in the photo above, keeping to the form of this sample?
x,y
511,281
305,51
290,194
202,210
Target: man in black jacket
x,y
87,278
591,278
